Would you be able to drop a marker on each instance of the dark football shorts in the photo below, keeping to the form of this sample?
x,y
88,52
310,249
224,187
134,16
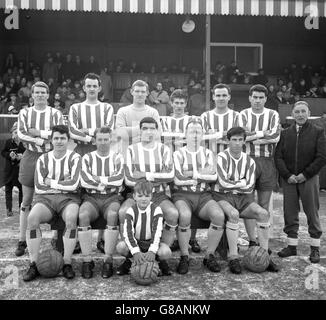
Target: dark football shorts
x,y
56,203
195,200
27,168
101,201
266,174
238,201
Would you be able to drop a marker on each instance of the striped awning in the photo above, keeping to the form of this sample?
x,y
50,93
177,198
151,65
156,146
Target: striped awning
x,y
296,8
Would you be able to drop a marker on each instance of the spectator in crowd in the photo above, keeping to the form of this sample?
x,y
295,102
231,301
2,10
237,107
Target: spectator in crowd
x,y
261,78
160,99
184,69
306,74
134,67
153,69
302,88
313,92
13,104
76,88
219,74
107,85
279,99
79,68
12,152
50,70
294,73
68,68
10,61
7,75
196,102
322,91
69,102
63,90
2,90
231,70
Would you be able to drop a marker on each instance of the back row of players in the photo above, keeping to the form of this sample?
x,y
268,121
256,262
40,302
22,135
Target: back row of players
x,y
216,188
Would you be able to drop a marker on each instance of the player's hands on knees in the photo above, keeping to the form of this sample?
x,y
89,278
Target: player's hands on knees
x,y
139,258
150,256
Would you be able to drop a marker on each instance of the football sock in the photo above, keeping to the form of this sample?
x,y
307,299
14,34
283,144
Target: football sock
x,y
168,234
85,240
23,215
69,244
183,238
111,235
263,234
33,240
250,225
232,234
214,235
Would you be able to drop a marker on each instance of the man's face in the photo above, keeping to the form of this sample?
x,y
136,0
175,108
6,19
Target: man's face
x,y
178,106
139,94
221,98
40,96
257,100
14,135
236,143
159,86
301,113
59,141
148,132
102,142
142,200
194,134
92,88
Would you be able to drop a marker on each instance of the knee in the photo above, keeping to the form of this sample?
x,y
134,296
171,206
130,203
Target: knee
x,y
112,217
171,216
218,217
33,221
164,252
263,215
234,216
71,221
84,219
184,219
122,248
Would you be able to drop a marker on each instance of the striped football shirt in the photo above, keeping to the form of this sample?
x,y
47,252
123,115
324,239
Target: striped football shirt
x,y
218,123
102,175
156,162
85,116
64,173
143,225
43,120
184,160
268,120
235,175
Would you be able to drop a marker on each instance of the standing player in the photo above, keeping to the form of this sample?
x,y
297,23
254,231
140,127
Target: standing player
x,y
102,176
262,127
151,161
234,192
195,168
86,117
34,130
57,176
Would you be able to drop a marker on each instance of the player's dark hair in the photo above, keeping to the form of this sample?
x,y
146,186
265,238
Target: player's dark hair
x,y
178,94
104,129
143,187
148,120
221,86
236,131
92,76
258,88
62,129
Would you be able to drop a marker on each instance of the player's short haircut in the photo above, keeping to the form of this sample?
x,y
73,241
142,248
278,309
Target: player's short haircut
x,y
194,120
178,94
92,76
258,88
62,129
140,83
104,129
221,86
236,131
300,102
148,120
143,187
40,84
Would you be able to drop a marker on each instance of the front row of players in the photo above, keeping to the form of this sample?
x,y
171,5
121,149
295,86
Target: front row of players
x,y
217,189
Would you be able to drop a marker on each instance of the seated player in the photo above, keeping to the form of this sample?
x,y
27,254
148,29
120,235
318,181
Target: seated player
x,y
57,176
174,128
151,161
142,228
102,177
195,168
234,192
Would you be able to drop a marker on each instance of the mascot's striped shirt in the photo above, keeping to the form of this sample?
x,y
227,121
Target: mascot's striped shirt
x,y
102,175
185,160
64,173
143,225
214,126
156,162
235,175
85,116
268,120
43,120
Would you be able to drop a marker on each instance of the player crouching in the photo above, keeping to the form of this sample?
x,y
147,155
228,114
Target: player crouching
x,y
195,168
142,229
57,177
234,192
102,177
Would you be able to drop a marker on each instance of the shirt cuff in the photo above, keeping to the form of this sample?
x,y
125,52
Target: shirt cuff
x,y
260,134
39,141
44,134
134,250
153,248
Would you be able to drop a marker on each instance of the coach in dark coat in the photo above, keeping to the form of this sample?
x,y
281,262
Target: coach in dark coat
x,y
299,156
12,152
